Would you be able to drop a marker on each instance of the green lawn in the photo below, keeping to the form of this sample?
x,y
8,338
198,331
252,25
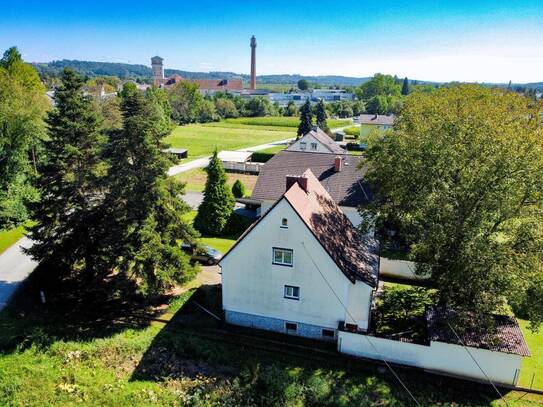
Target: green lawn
x,y
9,237
222,244
202,140
195,180
283,121
534,364
273,150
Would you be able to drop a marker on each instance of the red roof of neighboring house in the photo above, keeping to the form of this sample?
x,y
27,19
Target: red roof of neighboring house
x,y
204,84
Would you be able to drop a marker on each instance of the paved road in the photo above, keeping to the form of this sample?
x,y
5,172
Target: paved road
x,y
203,162
15,266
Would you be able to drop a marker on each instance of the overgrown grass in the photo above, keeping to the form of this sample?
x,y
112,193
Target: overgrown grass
x,y
202,140
196,179
157,364
353,131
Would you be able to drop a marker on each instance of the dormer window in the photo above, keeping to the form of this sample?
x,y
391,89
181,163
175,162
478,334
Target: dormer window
x,y
284,223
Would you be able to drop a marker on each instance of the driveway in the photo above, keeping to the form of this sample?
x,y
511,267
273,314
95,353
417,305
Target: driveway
x,y
194,199
15,266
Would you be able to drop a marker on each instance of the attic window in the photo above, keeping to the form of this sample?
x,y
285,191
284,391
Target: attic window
x,y
313,146
284,223
302,145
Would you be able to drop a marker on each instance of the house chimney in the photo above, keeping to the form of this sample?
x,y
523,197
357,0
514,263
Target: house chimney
x,y
299,179
253,63
338,164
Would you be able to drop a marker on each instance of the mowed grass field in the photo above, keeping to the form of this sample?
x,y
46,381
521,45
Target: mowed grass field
x,y
9,237
202,139
195,180
532,367
282,121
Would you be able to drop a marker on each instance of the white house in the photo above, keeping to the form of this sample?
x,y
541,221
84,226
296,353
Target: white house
x,y
340,175
316,141
300,266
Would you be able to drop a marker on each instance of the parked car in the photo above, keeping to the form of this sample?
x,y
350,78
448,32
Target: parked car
x,y
203,254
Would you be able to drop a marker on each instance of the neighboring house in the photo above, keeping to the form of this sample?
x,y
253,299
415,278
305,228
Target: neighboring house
x,y
369,122
339,175
316,141
280,273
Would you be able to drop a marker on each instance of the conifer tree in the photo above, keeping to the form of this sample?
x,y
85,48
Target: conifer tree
x,y
144,209
67,230
217,206
405,87
238,189
321,115
306,119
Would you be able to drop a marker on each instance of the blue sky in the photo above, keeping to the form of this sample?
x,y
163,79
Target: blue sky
x,y
476,40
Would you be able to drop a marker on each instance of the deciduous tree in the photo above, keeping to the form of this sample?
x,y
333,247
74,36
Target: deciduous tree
x,y
22,108
460,180
186,102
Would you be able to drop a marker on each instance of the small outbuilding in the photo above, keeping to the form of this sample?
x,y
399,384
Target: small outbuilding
x,y
178,152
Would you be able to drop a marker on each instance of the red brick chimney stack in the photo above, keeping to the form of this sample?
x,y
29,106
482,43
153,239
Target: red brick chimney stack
x,y
253,62
301,180
338,164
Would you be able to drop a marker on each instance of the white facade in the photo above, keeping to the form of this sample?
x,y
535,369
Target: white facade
x,y
438,356
352,213
251,284
309,143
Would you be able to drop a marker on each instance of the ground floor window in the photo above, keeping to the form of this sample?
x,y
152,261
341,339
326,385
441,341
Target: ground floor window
x,y
292,292
328,333
291,327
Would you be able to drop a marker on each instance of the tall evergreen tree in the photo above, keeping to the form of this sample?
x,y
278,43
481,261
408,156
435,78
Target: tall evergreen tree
x,y
405,87
306,119
23,105
218,204
321,115
67,229
144,211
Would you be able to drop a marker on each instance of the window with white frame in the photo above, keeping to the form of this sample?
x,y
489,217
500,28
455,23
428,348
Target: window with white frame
x,y
303,145
282,257
292,292
284,223
313,146
291,327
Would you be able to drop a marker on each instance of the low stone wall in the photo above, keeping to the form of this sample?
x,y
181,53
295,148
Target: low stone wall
x,y
274,324
441,357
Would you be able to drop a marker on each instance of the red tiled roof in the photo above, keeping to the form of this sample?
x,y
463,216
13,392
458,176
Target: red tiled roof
x,y
346,187
508,337
355,255
218,84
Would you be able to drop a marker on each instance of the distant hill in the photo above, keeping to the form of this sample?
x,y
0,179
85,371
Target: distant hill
x,y
133,71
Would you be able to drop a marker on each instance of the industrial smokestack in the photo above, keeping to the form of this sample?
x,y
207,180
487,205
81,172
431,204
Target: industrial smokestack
x,y
253,62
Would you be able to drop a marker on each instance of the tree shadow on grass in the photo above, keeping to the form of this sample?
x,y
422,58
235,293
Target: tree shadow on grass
x,y
72,310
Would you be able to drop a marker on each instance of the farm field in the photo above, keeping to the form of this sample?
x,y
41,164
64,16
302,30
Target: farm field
x,y
196,179
532,367
283,121
202,140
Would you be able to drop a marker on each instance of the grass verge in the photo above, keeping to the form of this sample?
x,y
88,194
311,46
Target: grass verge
x,y
9,237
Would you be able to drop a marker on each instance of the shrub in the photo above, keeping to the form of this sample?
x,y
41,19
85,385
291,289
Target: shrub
x,y
352,131
238,189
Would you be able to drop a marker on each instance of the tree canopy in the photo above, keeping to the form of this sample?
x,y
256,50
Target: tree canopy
x,y
459,180
321,115
306,119
303,84
23,105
